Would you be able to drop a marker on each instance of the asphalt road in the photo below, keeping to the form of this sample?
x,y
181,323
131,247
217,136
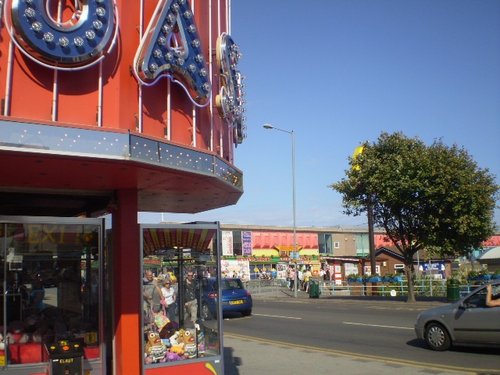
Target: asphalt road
x,y
381,330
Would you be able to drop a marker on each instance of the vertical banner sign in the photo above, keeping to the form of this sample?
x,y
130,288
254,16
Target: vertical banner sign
x,y
246,243
227,243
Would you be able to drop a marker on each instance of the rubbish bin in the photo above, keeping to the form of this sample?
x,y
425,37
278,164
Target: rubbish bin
x,y
453,290
313,289
65,357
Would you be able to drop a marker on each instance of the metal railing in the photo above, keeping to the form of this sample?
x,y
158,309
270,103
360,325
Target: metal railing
x,y
266,288
422,288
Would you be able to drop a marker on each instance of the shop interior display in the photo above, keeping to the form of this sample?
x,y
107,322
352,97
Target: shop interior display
x,y
49,286
179,333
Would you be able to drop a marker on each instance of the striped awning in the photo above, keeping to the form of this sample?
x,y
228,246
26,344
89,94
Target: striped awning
x,y
169,238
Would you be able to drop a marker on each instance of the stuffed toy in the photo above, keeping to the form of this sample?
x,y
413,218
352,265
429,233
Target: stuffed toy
x,y
171,356
177,342
174,338
2,343
16,333
155,349
177,349
161,320
168,330
187,337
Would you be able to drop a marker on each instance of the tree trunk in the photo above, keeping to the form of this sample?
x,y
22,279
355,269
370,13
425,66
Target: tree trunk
x,y
410,275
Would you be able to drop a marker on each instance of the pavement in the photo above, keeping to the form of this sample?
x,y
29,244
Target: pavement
x,y
251,356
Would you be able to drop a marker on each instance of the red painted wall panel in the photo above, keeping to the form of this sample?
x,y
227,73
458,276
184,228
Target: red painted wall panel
x,y
77,92
267,240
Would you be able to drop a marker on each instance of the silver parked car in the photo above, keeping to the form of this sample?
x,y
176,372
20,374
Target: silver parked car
x,y
466,322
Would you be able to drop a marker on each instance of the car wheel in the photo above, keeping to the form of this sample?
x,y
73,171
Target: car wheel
x,y
437,337
205,312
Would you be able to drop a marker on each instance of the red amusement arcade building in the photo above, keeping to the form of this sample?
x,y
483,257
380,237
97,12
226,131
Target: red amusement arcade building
x,y
112,107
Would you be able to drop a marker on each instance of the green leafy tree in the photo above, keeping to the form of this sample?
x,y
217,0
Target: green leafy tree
x,y
425,197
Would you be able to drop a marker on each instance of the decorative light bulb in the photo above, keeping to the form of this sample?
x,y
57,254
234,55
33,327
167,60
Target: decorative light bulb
x,y
196,43
97,24
100,11
157,53
90,34
63,41
162,41
36,26
78,41
29,12
48,37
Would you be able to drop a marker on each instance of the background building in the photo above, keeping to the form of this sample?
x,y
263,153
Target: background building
x,y
342,251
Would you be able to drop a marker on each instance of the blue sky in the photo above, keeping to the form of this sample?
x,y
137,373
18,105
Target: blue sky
x,y
338,73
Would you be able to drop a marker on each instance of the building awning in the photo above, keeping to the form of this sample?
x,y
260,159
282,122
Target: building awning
x,y
169,238
493,253
287,248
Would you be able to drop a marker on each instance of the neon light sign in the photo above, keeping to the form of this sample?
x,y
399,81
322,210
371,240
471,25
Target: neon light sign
x,y
177,55
75,44
229,101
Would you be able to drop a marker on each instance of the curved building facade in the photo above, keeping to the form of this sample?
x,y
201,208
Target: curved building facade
x,y
110,107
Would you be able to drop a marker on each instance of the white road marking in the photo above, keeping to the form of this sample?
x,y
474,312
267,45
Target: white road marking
x,y
375,325
278,316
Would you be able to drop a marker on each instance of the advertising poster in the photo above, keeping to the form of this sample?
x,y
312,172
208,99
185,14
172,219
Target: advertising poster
x,y
236,268
246,243
281,270
227,243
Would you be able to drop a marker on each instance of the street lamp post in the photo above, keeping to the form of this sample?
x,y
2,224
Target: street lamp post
x,y
292,135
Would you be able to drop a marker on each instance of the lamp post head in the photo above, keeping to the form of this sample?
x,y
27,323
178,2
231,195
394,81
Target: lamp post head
x,y
269,126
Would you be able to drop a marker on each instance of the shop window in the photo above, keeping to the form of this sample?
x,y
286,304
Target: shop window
x,y
50,289
237,243
180,303
325,243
